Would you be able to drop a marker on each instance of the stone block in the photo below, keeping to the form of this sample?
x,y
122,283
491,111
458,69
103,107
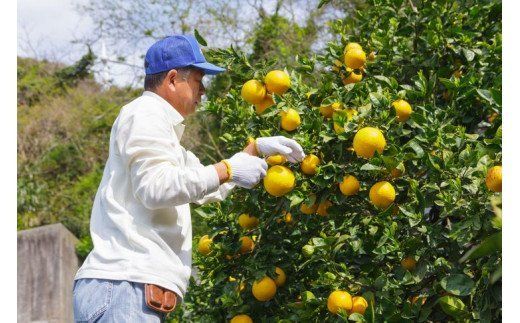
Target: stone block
x,y
47,263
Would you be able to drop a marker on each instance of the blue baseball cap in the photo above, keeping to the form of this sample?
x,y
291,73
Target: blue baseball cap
x,y
175,52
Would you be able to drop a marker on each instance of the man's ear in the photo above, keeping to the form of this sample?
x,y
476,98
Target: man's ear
x,y
170,77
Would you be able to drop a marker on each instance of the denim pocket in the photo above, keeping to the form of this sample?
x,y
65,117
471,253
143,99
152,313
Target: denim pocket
x,y
91,298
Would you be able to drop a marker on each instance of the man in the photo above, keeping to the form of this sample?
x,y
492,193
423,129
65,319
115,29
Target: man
x,y
140,222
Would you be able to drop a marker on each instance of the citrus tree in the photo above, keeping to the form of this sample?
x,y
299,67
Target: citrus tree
x,y
394,213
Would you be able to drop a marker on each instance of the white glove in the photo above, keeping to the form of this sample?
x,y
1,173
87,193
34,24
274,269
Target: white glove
x,y
269,146
246,170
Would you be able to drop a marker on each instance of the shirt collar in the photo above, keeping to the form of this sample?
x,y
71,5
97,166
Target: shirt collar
x,y
176,117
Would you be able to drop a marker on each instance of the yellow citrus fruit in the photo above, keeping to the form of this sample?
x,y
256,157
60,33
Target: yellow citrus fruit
x,y
204,245
264,289
338,129
337,65
241,286
310,164
349,186
492,117
277,82
279,180
494,179
247,245
382,194
323,207
253,91
367,141
396,173
359,305
415,298
328,110
242,318
287,218
247,221
457,74
403,110
266,102
290,119
408,263
309,209
352,46
305,209
353,77
276,160
372,56
280,278
355,58
339,299
349,114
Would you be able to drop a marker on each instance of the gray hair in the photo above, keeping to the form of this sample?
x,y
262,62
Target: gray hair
x,y
185,72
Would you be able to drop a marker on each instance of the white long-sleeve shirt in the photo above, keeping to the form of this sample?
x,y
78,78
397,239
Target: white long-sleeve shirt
x,y
140,222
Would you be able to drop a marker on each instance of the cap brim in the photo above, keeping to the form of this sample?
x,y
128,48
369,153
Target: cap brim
x,y
208,68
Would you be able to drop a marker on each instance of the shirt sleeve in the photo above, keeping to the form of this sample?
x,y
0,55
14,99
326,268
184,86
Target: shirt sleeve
x,y
149,150
223,190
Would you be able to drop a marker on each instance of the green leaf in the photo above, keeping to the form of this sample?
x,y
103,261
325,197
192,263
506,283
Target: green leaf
x,y
419,152
199,38
322,3
491,244
487,95
469,54
497,274
458,284
295,200
369,166
384,79
452,305
356,317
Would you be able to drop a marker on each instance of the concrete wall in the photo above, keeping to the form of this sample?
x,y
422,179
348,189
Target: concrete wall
x,y
47,263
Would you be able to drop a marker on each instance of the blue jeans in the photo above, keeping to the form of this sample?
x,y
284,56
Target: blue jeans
x,y
101,300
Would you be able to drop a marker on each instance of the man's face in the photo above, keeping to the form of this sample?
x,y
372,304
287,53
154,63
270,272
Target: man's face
x,y
189,90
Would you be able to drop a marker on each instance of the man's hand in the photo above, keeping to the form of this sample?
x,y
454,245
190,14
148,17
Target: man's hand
x,y
269,146
246,170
